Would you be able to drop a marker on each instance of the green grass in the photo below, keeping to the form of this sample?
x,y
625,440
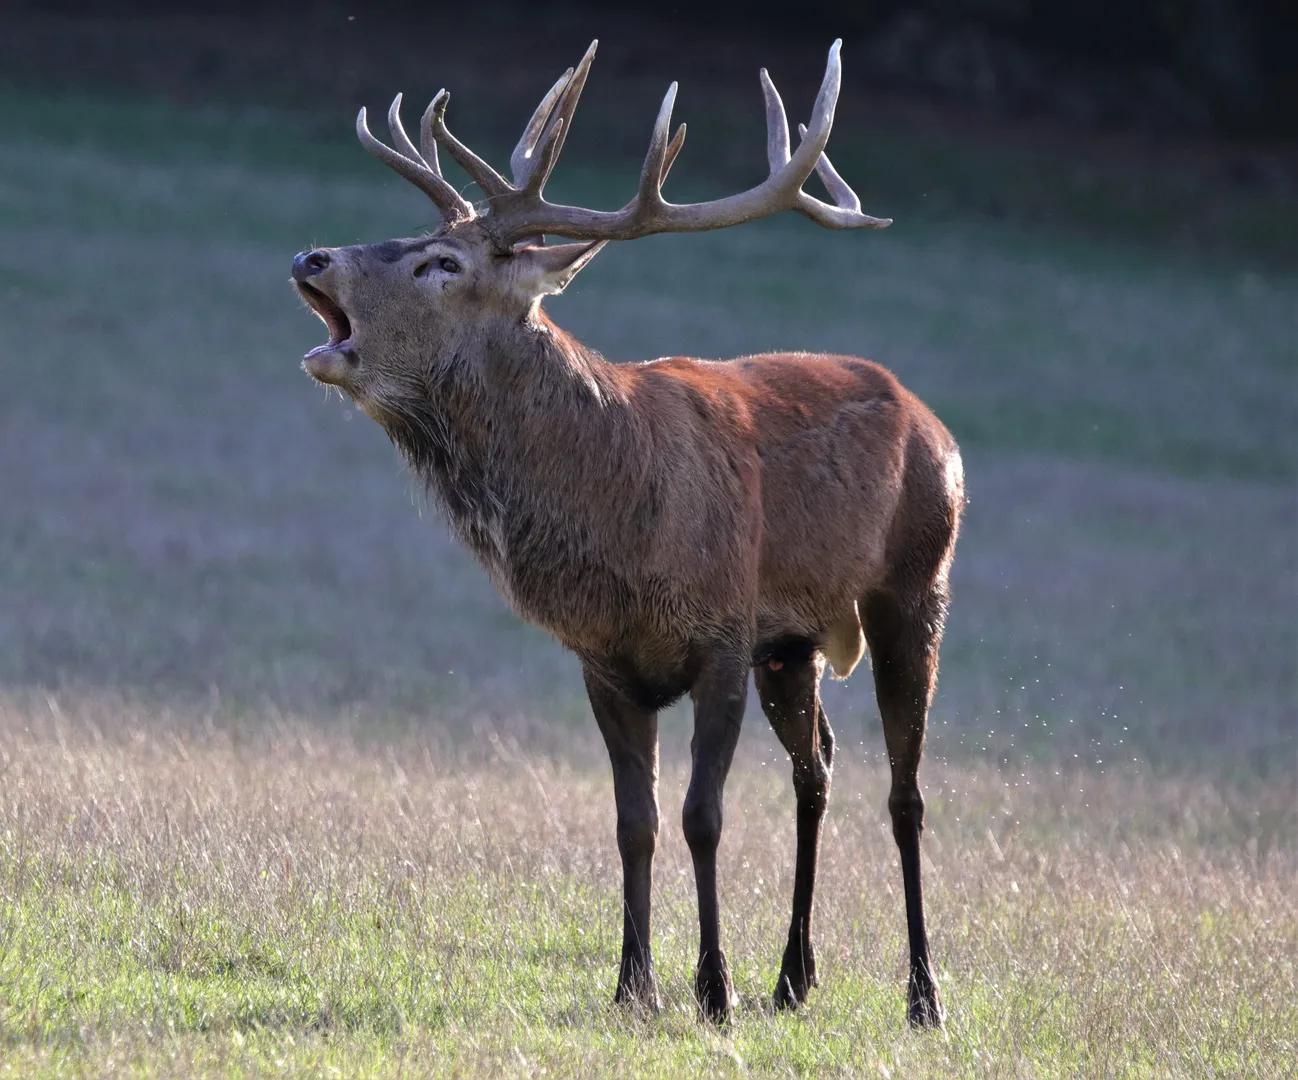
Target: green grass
x,y
285,788
177,896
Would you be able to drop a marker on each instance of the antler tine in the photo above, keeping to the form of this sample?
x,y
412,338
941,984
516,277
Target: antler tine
x,y
550,144
427,142
521,161
651,173
402,142
546,157
491,182
845,199
777,125
446,198
839,189
669,159
846,211
804,158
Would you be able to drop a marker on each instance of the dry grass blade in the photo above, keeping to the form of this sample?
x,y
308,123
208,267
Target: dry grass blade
x,y
186,891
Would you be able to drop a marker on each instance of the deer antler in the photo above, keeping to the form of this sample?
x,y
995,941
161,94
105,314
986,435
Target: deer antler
x,y
421,168
525,211
519,209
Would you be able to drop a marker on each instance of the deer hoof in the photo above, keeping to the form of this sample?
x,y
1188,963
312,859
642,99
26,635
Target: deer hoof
x,y
797,975
639,993
924,1005
786,997
715,992
792,990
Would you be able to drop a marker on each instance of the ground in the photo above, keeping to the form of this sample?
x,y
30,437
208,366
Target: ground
x,y
284,787
181,900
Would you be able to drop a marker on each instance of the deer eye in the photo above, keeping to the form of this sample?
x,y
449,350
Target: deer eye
x,y
445,263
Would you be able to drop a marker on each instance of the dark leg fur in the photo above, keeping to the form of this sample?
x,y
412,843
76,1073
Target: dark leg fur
x,y
789,693
719,693
631,734
904,634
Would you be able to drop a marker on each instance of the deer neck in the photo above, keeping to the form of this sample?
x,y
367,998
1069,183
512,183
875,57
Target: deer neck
x,y
515,432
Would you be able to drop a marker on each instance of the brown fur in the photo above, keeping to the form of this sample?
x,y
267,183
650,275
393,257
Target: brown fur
x,y
673,523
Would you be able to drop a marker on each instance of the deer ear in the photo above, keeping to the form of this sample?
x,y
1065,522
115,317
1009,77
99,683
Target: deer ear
x,y
547,270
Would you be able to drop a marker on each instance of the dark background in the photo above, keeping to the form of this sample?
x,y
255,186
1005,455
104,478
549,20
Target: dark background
x,y
1205,67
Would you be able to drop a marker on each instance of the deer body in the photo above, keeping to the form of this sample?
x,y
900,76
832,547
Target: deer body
x,y
679,524
632,510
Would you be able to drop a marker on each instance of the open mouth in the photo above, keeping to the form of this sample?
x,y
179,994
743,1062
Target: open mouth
x,y
333,316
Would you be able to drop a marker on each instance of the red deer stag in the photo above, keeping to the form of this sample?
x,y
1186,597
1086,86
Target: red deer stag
x,y
677,522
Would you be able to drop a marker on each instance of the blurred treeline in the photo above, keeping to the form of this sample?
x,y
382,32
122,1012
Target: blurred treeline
x,y
1197,67
1201,65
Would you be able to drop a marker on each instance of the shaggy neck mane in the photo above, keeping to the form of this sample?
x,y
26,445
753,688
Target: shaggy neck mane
x,y
514,419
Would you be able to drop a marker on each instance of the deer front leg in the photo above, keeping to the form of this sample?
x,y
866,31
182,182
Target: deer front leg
x,y
631,735
719,693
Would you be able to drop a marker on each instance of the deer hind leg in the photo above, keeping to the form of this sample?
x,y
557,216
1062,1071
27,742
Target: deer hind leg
x,y
788,685
904,633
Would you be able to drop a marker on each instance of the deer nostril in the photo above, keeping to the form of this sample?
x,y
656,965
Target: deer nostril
x,y
306,263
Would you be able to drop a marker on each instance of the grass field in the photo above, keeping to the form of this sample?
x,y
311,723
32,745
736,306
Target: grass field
x,y
181,900
285,788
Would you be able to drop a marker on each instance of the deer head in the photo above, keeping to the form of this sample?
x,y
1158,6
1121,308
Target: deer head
x,y
397,311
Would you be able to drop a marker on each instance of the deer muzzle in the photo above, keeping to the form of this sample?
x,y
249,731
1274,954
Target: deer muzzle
x,y
335,360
